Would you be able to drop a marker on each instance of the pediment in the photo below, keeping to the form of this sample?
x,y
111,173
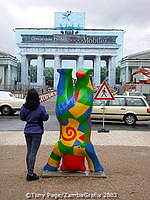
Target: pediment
x,y
3,54
140,55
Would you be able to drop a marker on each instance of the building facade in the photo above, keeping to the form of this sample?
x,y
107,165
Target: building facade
x,y
58,45
132,63
69,40
8,71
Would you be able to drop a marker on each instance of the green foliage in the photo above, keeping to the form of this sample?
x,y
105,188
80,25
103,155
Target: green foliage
x,y
104,73
49,76
18,71
49,72
118,75
33,73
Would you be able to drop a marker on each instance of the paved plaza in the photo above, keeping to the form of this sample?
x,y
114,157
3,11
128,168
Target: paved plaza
x,y
124,154
114,137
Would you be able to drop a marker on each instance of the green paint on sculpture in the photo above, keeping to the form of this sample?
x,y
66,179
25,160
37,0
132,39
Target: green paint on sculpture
x,y
73,109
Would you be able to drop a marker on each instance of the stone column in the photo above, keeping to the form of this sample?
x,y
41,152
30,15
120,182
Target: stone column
x,y
127,74
97,71
40,71
112,71
57,65
9,75
24,70
80,62
44,80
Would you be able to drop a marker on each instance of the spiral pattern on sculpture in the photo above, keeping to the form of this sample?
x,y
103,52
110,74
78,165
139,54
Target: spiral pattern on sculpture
x,y
70,134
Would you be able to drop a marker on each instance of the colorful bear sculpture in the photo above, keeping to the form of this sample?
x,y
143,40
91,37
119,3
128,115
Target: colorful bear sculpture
x,y
73,109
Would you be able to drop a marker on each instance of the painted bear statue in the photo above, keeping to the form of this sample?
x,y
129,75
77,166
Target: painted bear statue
x,y
73,108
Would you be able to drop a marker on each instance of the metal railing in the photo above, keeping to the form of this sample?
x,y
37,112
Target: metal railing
x,y
20,91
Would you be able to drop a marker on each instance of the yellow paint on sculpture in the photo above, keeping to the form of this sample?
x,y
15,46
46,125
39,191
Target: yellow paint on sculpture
x,y
52,162
56,150
90,85
90,163
77,150
70,133
78,110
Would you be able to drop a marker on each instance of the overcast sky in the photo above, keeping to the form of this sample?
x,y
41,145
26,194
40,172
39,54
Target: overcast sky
x,y
133,16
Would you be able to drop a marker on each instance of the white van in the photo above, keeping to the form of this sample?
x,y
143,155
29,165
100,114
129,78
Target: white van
x,y
9,104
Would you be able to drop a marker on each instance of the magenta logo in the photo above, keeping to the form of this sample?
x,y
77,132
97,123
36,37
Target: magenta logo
x,y
73,39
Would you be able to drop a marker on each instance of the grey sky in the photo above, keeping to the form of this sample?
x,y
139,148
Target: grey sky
x,y
133,16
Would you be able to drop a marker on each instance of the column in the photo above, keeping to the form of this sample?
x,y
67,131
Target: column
x,y
44,80
112,71
127,74
97,71
9,75
80,62
123,75
2,75
24,70
57,65
40,70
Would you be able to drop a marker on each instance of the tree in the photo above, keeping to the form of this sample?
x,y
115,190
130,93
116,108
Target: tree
x,y
104,72
49,76
33,73
118,74
49,73
19,71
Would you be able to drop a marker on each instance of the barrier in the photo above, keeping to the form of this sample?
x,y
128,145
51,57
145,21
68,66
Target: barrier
x,y
45,97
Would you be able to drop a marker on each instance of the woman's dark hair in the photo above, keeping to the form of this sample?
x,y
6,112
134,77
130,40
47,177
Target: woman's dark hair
x,y
32,99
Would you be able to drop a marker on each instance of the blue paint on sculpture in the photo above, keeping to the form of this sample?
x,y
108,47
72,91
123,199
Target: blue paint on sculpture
x,y
73,109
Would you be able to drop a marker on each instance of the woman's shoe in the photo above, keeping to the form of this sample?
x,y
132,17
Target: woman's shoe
x,y
32,177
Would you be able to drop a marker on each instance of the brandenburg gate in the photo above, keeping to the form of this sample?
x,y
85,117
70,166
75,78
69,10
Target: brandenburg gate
x,y
76,44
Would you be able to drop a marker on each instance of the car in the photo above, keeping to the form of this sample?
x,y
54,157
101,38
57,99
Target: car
x,y
124,108
133,93
9,104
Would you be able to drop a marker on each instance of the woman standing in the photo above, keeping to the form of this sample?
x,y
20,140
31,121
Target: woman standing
x,y
34,114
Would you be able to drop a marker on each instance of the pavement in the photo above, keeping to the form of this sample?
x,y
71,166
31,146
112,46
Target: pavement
x,y
125,156
114,137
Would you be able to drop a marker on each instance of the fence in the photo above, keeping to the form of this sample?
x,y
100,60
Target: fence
x,y
20,91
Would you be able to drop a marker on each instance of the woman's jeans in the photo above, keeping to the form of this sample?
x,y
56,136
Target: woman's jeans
x,y
33,142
